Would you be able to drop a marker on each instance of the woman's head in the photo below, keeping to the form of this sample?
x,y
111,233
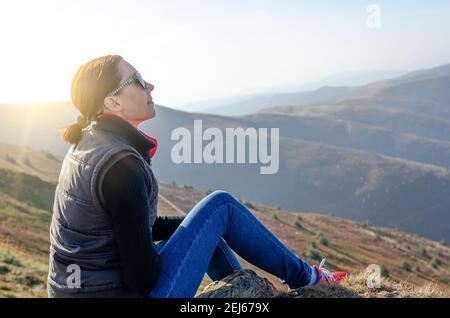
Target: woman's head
x,y
91,91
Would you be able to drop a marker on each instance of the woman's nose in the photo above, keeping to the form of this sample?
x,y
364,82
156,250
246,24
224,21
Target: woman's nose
x,y
150,87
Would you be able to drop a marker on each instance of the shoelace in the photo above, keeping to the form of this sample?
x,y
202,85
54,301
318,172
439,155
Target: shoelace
x,y
325,274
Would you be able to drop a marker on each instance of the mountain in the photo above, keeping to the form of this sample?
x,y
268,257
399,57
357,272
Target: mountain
x,y
326,90
25,213
341,87
358,78
325,94
203,105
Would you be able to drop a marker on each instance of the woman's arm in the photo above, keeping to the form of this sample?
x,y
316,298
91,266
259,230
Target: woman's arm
x,y
125,194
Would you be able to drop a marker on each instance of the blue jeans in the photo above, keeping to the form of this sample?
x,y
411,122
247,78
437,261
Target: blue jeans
x,y
204,243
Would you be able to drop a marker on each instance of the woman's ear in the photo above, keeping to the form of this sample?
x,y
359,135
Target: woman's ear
x,y
112,104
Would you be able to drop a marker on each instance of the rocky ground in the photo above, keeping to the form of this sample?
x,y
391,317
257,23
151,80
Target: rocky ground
x,y
247,284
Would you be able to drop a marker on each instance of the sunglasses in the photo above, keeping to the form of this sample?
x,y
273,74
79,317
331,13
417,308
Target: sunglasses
x,y
135,77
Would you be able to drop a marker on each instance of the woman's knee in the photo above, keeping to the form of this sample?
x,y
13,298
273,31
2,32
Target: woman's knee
x,y
219,196
212,202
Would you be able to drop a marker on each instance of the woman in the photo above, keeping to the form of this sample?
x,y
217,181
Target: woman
x,y
105,222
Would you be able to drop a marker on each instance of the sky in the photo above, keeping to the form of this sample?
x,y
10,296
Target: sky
x,y
207,49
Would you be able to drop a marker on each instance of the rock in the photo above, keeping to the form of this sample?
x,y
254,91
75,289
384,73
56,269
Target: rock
x,y
241,284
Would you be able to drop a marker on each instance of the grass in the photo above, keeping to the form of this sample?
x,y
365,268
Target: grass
x,y
248,284
21,275
355,286
7,258
27,188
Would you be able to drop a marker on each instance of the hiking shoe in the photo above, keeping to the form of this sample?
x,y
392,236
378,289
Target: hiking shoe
x,y
327,277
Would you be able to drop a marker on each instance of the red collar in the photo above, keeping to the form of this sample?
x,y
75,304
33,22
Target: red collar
x,y
153,139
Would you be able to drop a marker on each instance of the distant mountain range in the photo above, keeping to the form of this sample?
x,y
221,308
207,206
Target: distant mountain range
x,y
330,89
378,152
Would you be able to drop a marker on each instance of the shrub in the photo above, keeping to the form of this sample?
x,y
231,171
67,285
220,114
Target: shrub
x,y
30,281
275,217
313,254
10,158
298,225
435,262
173,184
322,239
365,225
406,267
208,192
26,161
249,205
8,258
187,186
424,253
384,271
4,270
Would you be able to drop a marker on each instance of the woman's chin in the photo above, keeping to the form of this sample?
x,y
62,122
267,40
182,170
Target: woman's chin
x,y
150,113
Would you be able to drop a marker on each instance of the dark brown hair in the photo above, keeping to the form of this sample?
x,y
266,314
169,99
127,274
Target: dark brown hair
x,y
90,85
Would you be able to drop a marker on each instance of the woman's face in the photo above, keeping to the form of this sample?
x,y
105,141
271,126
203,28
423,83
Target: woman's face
x,y
133,102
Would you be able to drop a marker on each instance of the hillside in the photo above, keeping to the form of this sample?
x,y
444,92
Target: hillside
x,y
40,163
347,245
24,224
321,169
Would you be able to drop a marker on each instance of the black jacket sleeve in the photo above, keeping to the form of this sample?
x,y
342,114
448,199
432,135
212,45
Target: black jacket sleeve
x,y
126,196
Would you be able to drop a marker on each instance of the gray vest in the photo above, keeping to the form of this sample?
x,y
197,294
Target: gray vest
x,y
84,256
